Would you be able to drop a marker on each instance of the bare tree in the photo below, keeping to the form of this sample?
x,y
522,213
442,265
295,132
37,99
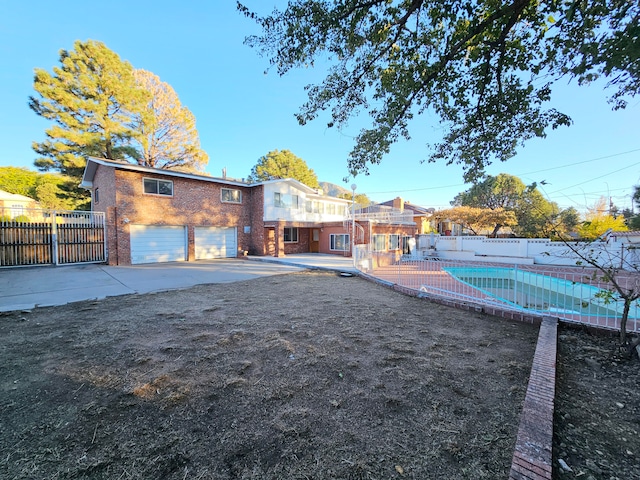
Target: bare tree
x,y
618,268
168,137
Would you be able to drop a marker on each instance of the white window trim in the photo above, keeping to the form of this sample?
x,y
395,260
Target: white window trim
x,y
332,242
398,244
292,229
375,246
279,203
157,180
231,190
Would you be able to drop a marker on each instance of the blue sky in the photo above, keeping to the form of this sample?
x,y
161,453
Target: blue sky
x,y
197,47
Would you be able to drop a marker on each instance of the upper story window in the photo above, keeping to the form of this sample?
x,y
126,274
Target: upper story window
x,y
154,186
331,209
318,207
96,195
308,206
295,202
278,199
231,195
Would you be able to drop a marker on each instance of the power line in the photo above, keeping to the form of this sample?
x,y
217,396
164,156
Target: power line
x,y
424,189
583,162
597,178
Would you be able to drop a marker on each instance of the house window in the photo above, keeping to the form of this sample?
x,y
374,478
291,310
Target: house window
x,y
308,206
339,242
406,245
154,186
394,242
231,195
379,243
96,196
17,210
341,210
290,235
278,199
331,209
295,202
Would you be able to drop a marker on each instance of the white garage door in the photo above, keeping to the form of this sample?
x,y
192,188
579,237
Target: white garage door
x,y
215,242
152,244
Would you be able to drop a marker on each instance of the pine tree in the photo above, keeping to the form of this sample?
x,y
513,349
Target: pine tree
x,y
283,164
92,97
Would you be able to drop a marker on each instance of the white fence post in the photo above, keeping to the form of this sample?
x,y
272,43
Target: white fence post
x,y
54,237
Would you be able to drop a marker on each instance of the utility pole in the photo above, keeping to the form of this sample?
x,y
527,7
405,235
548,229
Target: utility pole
x,y
353,222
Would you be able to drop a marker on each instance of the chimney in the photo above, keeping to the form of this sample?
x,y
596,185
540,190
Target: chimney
x,y
224,172
398,203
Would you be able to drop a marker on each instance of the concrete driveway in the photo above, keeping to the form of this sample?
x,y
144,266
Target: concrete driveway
x,y
28,287
25,288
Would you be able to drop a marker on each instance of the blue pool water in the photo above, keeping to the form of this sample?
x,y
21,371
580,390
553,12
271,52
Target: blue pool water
x,y
537,292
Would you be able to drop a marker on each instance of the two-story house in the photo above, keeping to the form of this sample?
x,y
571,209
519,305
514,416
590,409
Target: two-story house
x,y
308,220
155,215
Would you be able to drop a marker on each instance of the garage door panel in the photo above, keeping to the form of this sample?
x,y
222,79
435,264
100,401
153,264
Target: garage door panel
x,y
215,242
154,243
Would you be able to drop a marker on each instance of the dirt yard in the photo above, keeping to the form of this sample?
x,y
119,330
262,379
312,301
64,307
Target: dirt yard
x,y
301,376
597,416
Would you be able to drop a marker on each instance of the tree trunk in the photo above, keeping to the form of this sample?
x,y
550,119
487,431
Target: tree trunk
x,y
108,147
623,321
496,229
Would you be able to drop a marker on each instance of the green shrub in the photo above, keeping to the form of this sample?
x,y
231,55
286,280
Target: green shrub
x,y
18,219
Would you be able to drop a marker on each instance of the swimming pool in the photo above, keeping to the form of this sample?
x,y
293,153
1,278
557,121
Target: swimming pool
x,y
526,290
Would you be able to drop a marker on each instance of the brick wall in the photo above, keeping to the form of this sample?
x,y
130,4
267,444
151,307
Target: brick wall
x,y
324,245
104,179
194,203
256,211
302,245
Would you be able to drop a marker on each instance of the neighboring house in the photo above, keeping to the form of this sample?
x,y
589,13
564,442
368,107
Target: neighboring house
x,y
157,215
13,205
421,215
628,237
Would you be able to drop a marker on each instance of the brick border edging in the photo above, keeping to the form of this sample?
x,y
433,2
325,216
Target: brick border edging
x,y
532,456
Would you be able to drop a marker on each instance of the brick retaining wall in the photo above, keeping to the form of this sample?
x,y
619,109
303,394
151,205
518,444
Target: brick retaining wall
x,y
533,453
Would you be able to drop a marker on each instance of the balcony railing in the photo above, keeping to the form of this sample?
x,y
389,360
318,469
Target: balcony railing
x,y
382,214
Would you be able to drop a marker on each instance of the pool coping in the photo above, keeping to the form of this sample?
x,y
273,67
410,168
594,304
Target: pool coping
x,y
533,451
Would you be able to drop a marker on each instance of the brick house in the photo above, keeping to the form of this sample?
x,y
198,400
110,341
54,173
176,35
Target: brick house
x,y
421,216
155,215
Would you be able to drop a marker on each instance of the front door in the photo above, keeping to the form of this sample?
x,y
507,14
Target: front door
x,y
314,244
